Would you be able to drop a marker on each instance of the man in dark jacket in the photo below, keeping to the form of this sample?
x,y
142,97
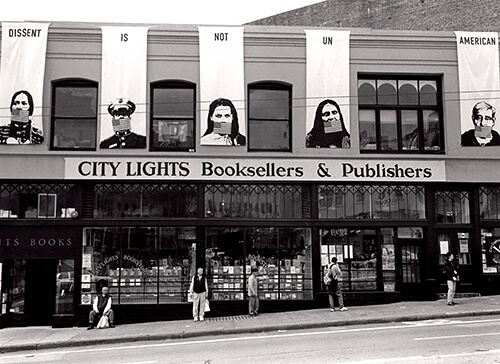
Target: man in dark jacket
x,y
101,307
451,274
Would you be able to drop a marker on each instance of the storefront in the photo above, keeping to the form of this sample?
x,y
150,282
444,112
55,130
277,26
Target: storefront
x,y
239,157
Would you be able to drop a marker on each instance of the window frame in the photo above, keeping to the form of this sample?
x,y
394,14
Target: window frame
x,y
171,84
274,86
399,109
75,83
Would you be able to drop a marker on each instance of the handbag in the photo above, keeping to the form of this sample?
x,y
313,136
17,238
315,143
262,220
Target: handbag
x,y
327,278
207,306
103,322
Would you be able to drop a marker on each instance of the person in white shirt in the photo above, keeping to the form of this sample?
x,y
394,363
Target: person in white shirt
x,y
101,307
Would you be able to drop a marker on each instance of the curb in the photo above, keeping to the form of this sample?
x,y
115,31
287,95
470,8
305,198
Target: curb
x,y
242,330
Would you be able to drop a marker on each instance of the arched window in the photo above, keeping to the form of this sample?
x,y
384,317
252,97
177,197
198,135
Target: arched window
x,y
74,115
269,116
173,110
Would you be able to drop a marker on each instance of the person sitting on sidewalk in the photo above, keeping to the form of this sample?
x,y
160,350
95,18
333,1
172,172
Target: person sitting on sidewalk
x,y
334,288
100,308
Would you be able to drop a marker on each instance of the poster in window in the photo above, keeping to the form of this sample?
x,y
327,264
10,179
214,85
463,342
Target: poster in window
x,y
222,88
479,85
22,71
47,204
327,88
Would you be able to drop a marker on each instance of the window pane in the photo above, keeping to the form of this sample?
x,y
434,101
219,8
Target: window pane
x,y
72,133
452,207
367,130
432,138
409,129
388,130
173,102
269,104
74,122
269,134
408,94
387,94
366,92
173,134
428,93
75,101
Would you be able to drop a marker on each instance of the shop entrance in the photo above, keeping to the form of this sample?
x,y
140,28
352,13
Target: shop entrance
x,y
409,262
28,292
459,243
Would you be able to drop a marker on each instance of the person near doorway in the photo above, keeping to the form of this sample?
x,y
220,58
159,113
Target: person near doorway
x,y
451,274
100,308
199,290
253,293
334,288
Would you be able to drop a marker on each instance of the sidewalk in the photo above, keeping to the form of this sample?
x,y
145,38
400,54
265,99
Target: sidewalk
x,y
36,338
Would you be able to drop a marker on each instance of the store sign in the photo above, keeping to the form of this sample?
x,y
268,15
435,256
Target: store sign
x,y
254,170
29,243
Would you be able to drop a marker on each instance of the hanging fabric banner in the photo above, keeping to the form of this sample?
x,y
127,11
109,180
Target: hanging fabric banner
x,y
22,70
123,91
222,87
479,86
327,89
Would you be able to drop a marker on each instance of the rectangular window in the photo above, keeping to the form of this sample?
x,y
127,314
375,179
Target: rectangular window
x,y
74,115
490,244
31,201
144,201
140,265
282,256
400,115
452,207
256,201
173,109
269,117
489,203
371,202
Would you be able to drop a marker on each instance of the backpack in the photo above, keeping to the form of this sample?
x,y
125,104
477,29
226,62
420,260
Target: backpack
x,y
327,278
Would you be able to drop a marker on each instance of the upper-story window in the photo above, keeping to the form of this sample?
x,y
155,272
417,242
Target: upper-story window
x,y
74,115
269,116
400,114
173,106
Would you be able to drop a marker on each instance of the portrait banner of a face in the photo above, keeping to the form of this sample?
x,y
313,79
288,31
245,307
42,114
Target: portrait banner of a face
x,y
479,85
123,96
222,88
22,71
327,89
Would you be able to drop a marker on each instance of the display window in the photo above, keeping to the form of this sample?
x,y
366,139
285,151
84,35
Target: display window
x,y
146,265
490,245
282,256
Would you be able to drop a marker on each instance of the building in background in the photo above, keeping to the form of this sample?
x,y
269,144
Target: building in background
x,y
389,201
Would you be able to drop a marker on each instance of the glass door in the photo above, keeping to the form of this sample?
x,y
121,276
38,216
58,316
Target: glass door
x,y
459,243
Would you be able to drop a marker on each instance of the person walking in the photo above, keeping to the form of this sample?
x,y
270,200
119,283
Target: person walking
x,y
253,293
199,290
334,288
451,274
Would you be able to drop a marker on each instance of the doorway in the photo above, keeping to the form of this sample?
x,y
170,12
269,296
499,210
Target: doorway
x,y
459,243
29,289
409,262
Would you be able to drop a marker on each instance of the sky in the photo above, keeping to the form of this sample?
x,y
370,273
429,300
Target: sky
x,y
203,12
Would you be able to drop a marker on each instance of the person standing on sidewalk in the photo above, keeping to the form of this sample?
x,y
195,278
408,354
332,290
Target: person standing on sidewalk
x,y
335,289
451,274
199,290
253,293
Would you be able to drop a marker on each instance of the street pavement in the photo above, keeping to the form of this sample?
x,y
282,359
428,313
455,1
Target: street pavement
x,y
38,338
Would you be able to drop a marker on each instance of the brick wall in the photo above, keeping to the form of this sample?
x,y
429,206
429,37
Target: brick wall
x,y
440,15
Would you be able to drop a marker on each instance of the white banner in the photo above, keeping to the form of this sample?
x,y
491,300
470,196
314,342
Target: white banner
x,y
123,88
327,89
253,170
479,85
222,86
22,70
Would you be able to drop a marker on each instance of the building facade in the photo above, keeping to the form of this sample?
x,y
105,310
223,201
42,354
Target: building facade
x,y
381,177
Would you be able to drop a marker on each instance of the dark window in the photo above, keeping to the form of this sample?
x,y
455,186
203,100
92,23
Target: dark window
x,y
173,105
74,115
269,117
400,115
